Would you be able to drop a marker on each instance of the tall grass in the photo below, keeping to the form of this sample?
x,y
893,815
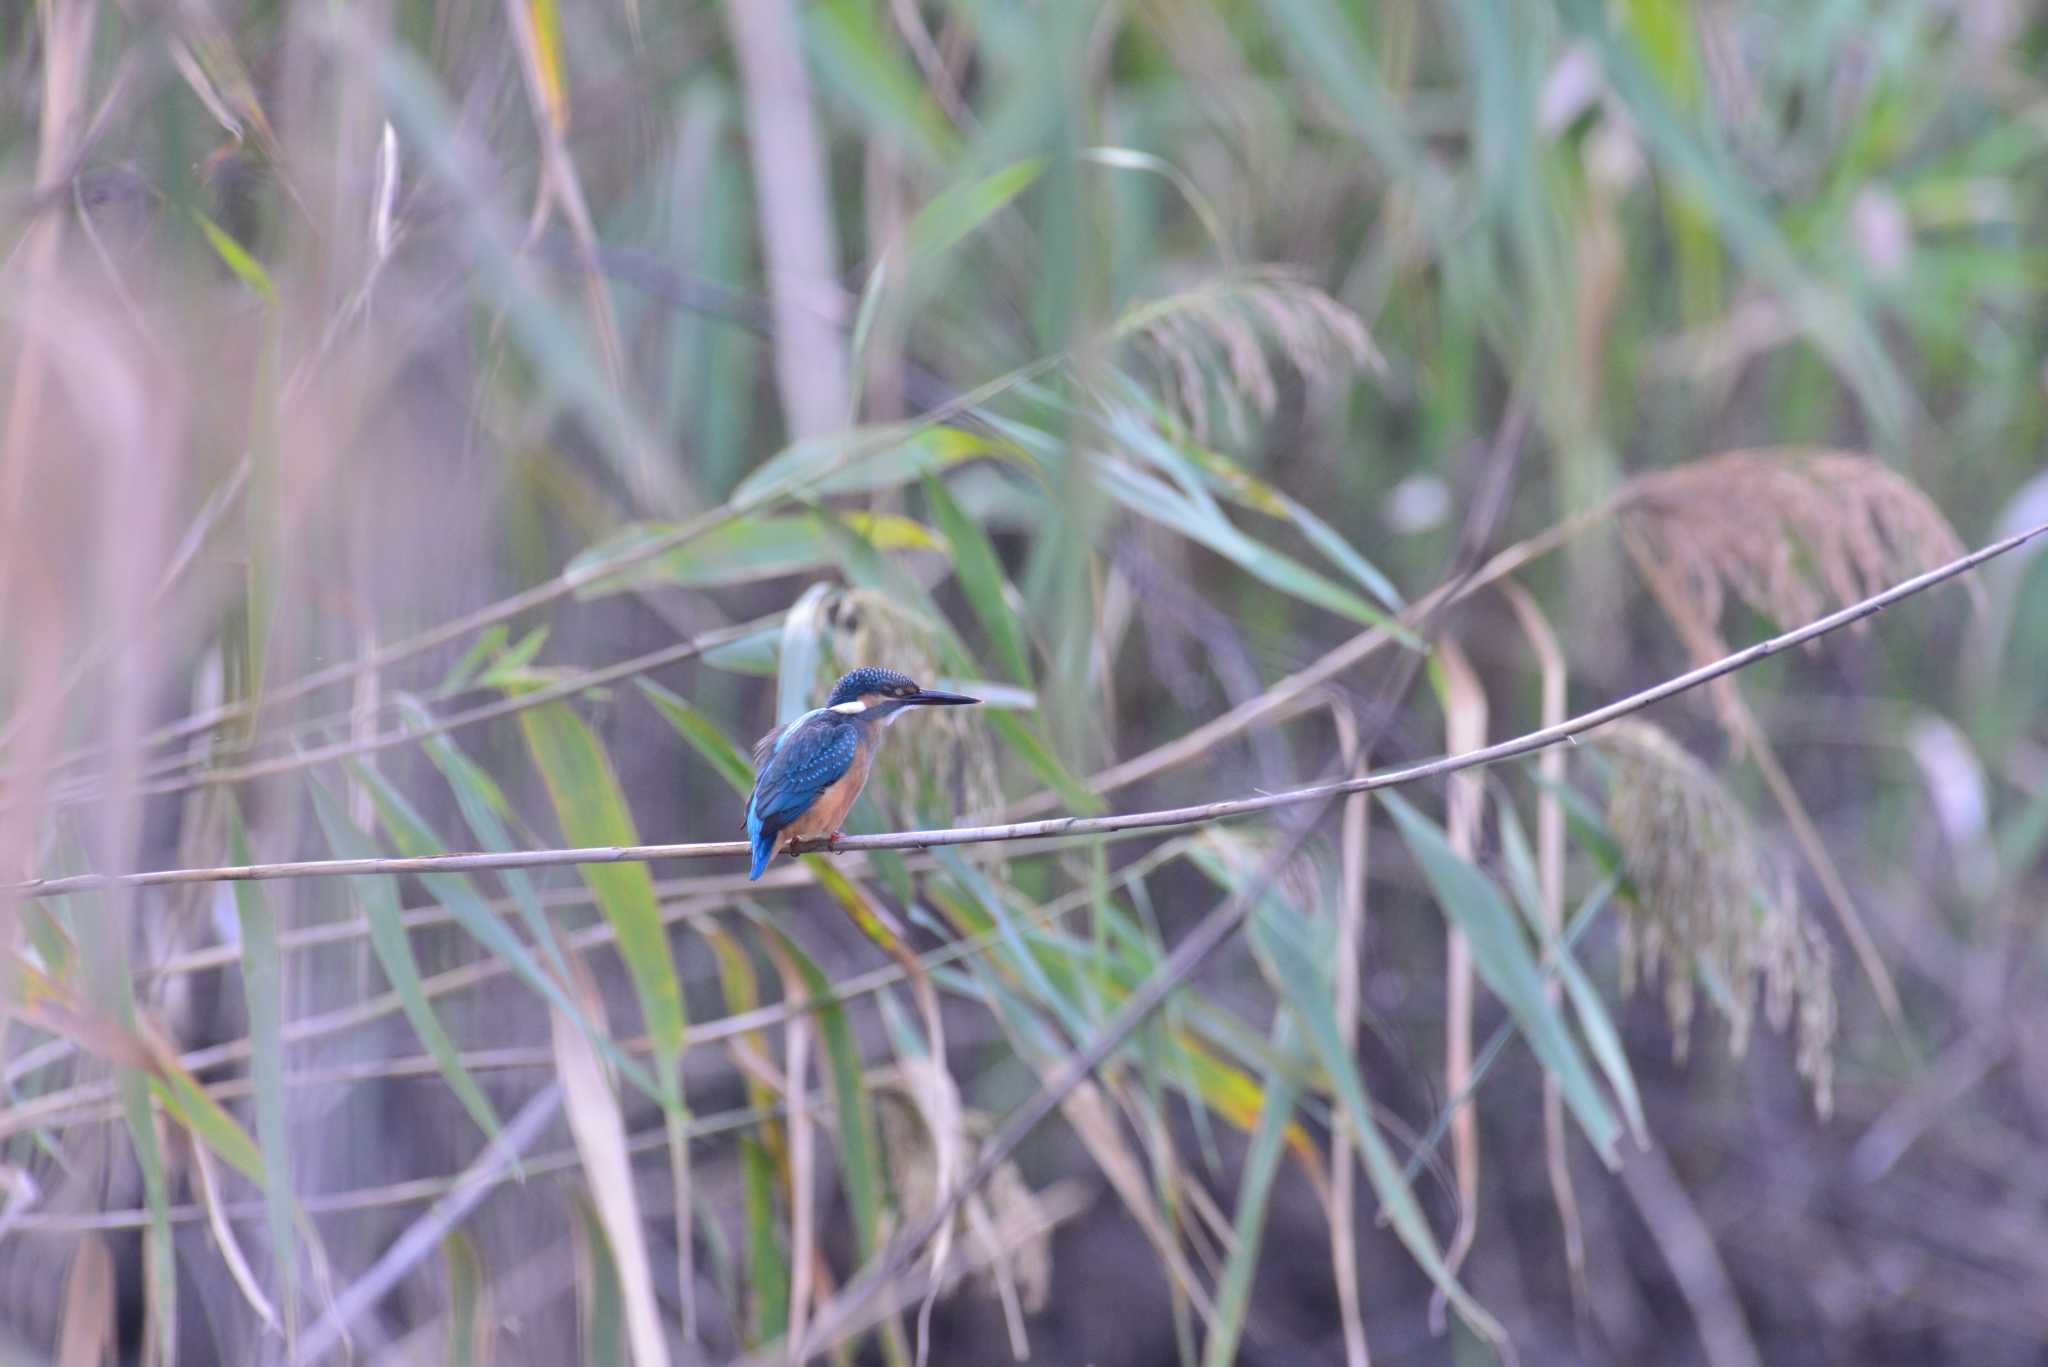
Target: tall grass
x,y
444,425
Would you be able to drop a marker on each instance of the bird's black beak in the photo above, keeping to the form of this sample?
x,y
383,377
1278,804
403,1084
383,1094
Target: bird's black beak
x,y
930,697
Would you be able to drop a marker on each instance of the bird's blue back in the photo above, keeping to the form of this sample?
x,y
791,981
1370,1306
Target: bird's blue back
x,y
807,757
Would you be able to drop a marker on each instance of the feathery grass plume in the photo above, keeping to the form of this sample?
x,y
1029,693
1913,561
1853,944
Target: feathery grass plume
x,y
1791,531
865,627
1217,336
1707,894
1019,1274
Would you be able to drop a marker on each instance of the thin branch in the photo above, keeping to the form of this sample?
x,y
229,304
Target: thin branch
x,y
1069,826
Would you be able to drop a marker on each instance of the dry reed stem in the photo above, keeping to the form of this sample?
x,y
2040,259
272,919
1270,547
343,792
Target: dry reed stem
x,y
207,1169
37,1111
940,78
34,632
1465,719
86,1336
803,1194
682,1204
1354,857
1550,859
1093,1118
926,1134
799,242
547,92
590,1101
1931,1101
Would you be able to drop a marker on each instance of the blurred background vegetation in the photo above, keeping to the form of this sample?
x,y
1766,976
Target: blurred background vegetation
x,y
453,424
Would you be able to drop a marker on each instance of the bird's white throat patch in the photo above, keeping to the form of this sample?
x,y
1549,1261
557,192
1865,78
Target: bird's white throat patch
x,y
860,705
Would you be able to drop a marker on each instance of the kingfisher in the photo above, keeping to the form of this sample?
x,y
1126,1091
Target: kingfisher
x,y
808,773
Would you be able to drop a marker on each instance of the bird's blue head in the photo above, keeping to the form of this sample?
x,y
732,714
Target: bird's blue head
x,y
873,694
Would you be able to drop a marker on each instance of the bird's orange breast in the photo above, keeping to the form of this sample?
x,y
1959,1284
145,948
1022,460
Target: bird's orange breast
x,y
824,817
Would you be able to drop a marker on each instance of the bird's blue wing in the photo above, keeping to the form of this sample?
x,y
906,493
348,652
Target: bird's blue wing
x,y
806,761
765,748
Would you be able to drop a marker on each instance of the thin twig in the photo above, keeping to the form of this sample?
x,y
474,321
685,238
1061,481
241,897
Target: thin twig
x,y
1069,826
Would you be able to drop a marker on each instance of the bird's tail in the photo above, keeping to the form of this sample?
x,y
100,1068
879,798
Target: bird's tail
x,y
764,850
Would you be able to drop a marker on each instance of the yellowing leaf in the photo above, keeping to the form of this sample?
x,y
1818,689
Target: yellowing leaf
x,y
547,48
741,551
236,257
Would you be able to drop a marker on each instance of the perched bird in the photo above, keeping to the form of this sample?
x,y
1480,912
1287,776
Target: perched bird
x,y
808,773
